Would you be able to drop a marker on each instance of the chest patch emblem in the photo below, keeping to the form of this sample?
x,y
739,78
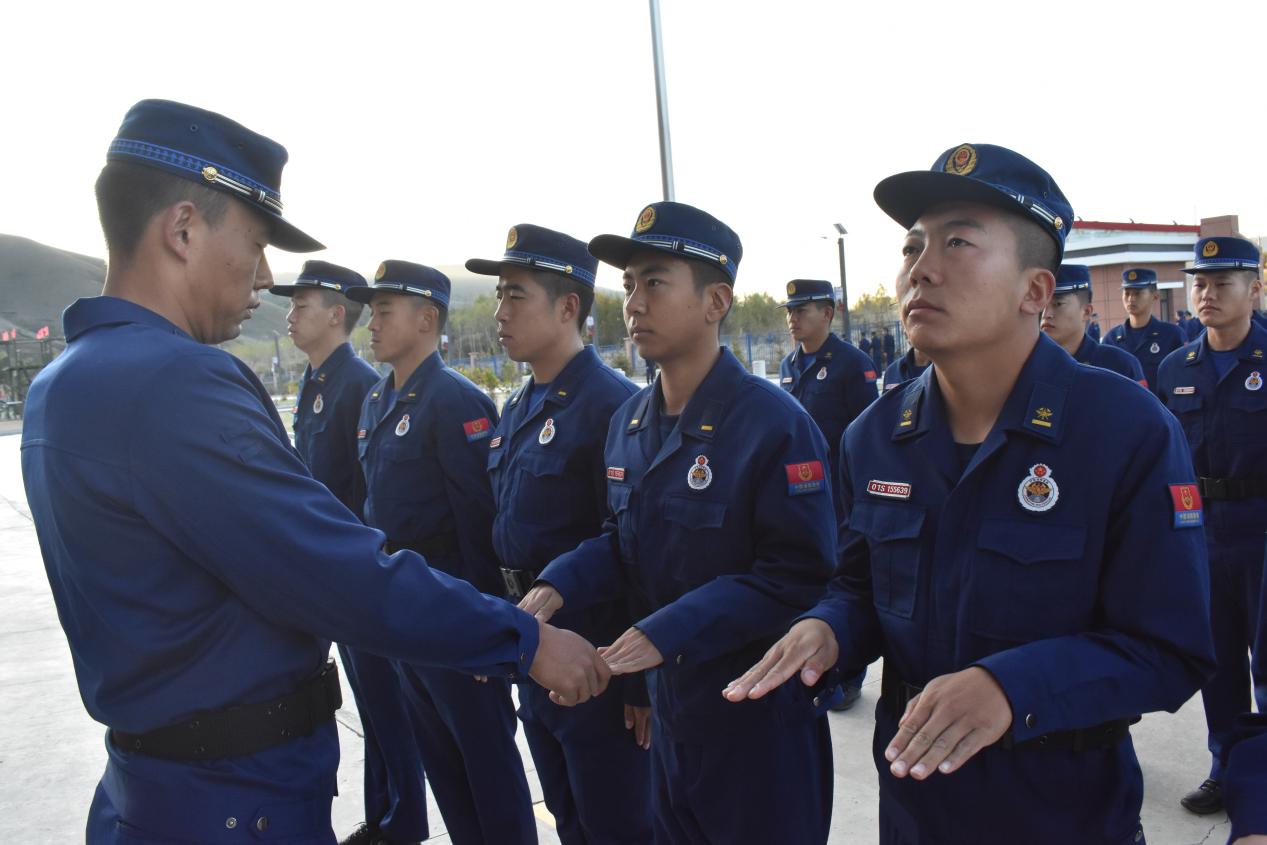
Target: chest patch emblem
x,y
402,427
889,489
318,404
1255,381
822,374
700,475
786,380
616,473
1038,491
1155,348
547,433
495,442
1185,391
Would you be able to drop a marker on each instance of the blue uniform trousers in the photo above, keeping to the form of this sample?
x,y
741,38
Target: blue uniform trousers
x,y
282,795
466,734
395,784
702,795
568,742
1236,573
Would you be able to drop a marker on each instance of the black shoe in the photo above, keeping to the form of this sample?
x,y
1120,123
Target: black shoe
x,y
366,834
1205,799
851,696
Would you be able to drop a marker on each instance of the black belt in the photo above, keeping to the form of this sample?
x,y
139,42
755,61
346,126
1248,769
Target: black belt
x,y
436,547
518,582
244,729
895,694
1232,489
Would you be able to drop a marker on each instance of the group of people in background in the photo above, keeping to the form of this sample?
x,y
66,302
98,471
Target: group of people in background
x,y
681,579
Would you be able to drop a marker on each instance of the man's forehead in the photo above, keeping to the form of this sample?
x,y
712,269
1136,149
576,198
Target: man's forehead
x,y
651,261
972,215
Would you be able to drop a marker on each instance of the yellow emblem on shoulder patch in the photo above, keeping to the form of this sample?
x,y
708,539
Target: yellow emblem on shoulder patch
x,y
1210,249
382,271
645,220
512,238
962,161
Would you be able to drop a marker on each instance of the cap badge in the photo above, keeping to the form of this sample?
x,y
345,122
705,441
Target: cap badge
x,y
822,374
547,433
1132,276
1058,223
1210,249
1255,381
318,404
962,161
402,427
700,475
791,288
210,173
382,271
645,220
512,238
1038,491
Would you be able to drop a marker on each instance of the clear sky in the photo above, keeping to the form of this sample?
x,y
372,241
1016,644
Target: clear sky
x,y
423,131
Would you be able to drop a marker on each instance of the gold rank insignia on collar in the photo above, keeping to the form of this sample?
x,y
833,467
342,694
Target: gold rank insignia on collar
x,y
1257,353
908,417
1043,417
1192,353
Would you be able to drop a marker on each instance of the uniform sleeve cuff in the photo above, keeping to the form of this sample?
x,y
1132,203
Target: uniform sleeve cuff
x,y
1024,695
529,637
656,628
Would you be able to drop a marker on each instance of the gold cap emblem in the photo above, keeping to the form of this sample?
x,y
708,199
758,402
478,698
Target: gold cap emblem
x,y
1058,223
645,220
962,161
1210,249
1132,276
210,173
382,271
512,238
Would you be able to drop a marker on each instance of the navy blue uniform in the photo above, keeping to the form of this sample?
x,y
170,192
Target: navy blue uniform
x,y
1093,330
425,456
1225,419
834,384
156,469
902,370
545,461
326,413
721,532
1245,788
1027,560
1110,358
1150,345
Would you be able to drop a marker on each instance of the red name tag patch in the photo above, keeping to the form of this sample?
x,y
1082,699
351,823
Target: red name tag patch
x,y
869,375
805,478
1187,501
477,429
889,489
360,435
616,473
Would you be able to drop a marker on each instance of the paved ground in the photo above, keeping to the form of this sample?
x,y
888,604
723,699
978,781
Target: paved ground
x,y
51,753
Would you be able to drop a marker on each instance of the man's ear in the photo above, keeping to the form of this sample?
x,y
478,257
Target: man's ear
x,y
177,224
571,306
720,298
1039,286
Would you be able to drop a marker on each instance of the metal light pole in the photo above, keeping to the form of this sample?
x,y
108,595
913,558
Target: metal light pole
x,y
844,290
277,361
662,104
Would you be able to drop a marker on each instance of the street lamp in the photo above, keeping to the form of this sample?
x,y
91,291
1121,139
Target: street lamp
x,y
844,290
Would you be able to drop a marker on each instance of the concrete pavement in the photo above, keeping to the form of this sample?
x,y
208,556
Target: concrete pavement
x,y
51,753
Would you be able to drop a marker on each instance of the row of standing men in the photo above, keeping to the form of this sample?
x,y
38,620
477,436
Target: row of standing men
x,y
1033,579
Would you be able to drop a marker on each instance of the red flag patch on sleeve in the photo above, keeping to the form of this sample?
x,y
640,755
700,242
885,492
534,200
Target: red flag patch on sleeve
x,y
1187,501
477,429
869,375
805,478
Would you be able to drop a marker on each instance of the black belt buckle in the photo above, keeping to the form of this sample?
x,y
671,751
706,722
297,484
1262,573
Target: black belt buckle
x,y
1214,488
517,582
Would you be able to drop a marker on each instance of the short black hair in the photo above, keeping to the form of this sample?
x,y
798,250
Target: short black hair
x,y
1034,247
351,309
1081,294
704,274
557,285
129,195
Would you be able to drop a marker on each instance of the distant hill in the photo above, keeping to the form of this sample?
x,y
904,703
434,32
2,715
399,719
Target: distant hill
x,y
37,282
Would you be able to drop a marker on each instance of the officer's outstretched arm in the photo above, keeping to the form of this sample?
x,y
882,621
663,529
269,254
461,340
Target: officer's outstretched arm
x,y
809,648
568,666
